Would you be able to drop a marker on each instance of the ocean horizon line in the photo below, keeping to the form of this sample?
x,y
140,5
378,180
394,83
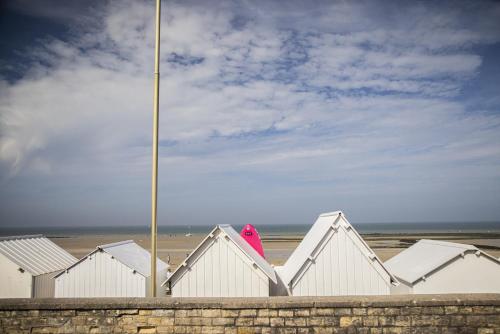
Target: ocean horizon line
x,y
373,228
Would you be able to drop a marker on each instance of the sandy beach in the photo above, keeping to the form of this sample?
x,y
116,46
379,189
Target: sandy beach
x,y
277,248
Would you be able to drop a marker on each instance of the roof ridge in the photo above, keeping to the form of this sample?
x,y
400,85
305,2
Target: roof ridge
x,y
448,243
333,213
114,244
18,237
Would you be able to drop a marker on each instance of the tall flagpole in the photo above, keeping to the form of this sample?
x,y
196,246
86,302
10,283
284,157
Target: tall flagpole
x,y
154,181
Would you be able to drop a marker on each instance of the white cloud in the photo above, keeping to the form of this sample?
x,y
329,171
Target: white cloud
x,y
349,95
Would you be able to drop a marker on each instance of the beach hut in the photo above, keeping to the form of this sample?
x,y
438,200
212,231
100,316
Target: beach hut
x,y
334,260
121,269
28,264
431,266
223,265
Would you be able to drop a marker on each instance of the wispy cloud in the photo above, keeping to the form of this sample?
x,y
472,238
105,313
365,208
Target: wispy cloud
x,y
356,102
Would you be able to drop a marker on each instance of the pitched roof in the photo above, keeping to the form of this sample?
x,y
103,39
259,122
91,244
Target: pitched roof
x,y
250,251
234,236
134,256
314,238
425,256
130,254
35,254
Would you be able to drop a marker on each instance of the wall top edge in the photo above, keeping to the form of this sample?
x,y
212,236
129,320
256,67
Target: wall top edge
x,y
249,303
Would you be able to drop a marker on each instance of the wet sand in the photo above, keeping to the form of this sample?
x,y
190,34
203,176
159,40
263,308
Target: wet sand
x,y
277,248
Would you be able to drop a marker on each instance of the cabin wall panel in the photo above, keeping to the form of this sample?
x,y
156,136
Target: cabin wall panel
x,y
44,285
470,274
100,275
341,268
222,270
13,283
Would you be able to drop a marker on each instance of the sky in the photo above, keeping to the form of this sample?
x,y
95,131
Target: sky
x,y
271,112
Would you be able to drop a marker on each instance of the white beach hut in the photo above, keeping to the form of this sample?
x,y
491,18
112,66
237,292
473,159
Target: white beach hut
x,y
28,265
223,265
431,266
334,260
121,269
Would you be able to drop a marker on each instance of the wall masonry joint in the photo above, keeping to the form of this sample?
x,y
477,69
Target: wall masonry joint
x,y
475,313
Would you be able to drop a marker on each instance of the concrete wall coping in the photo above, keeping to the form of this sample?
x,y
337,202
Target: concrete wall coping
x,y
249,303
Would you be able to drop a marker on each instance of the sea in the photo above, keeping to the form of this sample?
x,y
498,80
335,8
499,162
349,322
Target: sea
x,y
268,230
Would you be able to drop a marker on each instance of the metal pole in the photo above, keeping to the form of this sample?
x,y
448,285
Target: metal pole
x,y
154,181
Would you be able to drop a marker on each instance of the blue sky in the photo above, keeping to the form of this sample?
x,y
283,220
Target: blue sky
x,y
271,111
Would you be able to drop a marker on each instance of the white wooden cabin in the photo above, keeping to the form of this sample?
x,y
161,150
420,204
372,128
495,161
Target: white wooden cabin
x,y
121,269
333,260
431,266
223,265
28,264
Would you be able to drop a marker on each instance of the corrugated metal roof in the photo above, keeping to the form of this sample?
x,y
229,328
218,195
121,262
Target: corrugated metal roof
x,y
240,243
424,257
35,254
313,238
130,254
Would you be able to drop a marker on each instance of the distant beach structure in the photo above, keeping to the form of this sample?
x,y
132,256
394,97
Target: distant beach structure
x,y
222,265
121,269
432,266
333,260
28,264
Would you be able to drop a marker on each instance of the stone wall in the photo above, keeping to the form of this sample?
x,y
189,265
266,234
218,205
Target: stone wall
x,y
477,313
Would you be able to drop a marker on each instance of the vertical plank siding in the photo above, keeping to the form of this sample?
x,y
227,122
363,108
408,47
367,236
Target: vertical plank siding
x,y
341,268
221,270
44,285
100,275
